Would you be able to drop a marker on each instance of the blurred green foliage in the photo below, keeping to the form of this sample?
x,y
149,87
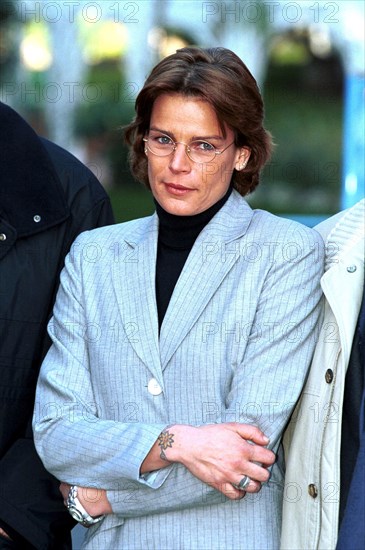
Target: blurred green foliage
x,y
131,201
303,106
304,174
101,119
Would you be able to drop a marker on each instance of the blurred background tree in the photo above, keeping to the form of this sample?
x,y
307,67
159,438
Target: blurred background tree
x,y
303,94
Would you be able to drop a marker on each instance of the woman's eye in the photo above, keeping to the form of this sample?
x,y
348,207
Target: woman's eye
x,y
202,146
163,140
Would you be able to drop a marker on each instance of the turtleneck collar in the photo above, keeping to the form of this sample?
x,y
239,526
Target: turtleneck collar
x,y
180,232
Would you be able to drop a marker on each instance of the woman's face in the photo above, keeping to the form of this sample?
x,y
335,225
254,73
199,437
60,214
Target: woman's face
x,y
181,186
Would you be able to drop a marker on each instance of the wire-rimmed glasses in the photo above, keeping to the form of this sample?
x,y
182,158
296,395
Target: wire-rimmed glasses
x,y
199,151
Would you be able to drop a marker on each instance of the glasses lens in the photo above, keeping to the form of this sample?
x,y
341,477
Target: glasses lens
x,y
162,146
159,144
201,151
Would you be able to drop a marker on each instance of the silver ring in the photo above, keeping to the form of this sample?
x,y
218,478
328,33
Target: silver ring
x,y
243,484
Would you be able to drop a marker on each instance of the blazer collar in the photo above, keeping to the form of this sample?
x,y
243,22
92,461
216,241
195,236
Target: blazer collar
x,y
209,262
135,291
230,223
232,220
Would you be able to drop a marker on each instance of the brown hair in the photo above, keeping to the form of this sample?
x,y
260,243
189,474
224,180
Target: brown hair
x,y
220,77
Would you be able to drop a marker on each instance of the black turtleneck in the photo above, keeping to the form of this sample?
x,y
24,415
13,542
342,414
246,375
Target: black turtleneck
x,y
176,237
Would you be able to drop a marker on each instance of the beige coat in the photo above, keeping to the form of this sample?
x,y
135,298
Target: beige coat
x,y
313,439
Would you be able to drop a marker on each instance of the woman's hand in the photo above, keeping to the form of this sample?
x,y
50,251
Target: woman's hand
x,y
218,454
222,454
93,500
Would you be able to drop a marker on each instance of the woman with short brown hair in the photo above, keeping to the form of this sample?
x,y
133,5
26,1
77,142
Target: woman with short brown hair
x,y
182,338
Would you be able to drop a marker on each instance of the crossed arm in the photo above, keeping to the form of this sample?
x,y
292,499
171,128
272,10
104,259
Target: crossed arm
x,y
219,455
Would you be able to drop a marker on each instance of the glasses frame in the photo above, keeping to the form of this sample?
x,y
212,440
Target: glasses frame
x,y
187,148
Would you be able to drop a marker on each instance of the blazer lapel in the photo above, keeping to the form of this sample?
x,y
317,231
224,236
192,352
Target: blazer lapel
x,y
210,260
135,292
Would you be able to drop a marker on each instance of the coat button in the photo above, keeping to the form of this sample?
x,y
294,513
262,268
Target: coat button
x,y
2,237
154,387
329,376
312,490
351,268
37,218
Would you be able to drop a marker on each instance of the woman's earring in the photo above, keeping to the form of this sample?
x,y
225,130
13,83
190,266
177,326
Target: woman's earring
x,y
145,150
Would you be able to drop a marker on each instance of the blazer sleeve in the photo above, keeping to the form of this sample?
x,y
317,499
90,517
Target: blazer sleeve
x,y
280,345
273,368
65,412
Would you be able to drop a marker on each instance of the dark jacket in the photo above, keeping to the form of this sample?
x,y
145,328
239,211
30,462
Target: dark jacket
x,y
47,197
352,531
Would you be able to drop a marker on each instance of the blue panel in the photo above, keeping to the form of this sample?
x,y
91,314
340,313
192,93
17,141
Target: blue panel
x,y
353,182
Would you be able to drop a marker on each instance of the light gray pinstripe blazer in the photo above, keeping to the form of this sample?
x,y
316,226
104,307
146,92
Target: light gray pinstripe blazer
x,y
235,345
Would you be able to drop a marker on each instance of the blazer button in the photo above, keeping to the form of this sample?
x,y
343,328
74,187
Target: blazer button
x,y
351,268
329,376
312,490
154,387
2,237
